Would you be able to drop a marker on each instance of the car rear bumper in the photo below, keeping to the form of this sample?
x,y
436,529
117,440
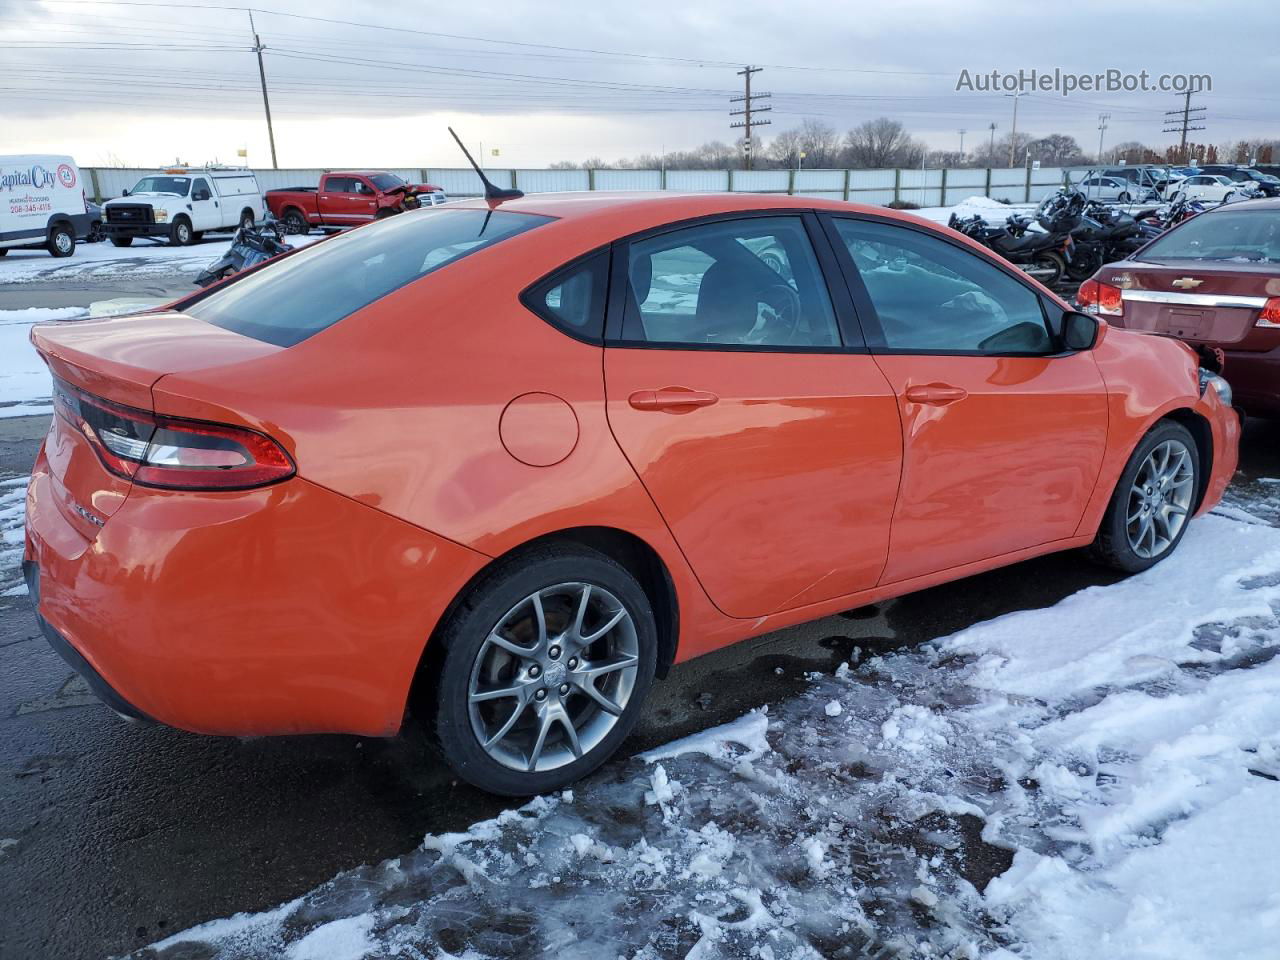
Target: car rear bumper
x,y
286,609
101,689
1255,380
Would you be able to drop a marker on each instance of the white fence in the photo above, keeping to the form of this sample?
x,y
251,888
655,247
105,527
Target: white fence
x,y
926,188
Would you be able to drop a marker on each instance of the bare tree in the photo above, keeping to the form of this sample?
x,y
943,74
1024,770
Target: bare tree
x,y
882,143
565,165
1056,150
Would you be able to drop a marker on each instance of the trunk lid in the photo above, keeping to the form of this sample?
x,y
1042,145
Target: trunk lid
x,y
118,359
1205,301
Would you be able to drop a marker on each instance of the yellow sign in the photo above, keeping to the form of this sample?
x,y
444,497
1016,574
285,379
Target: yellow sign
x,y
242,152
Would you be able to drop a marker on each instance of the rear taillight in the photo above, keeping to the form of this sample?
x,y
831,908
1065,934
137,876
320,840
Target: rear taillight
x,y
1270,315
1100,299
178,454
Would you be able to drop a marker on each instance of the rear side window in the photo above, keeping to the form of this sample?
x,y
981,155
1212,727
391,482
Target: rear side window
x,y
286,302
573,298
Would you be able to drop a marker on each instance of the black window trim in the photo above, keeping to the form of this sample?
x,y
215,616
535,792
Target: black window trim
x,y
875,338
529,296
848,328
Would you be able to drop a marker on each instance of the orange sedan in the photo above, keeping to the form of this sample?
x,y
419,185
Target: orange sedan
x,y
512,460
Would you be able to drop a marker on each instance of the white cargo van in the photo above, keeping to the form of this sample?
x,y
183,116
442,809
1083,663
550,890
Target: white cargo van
x,y
42,204
180,205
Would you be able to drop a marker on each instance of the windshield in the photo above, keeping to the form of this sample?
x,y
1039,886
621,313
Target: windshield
x,y
386,181
1227,235
286,302
178,185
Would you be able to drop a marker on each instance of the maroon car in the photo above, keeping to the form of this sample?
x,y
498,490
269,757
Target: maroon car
x,y
1214,281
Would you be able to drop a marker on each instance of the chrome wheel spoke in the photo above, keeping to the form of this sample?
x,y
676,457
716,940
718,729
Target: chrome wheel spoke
x,y
588,687
506,727
582,610
599,632
544,727
589,671
498,640
570,733
497,693
541,616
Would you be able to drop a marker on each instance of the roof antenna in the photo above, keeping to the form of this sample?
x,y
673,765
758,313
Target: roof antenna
x,y
491,192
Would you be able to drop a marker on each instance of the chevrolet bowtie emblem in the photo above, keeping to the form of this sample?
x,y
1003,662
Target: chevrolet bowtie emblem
x,y
1187,283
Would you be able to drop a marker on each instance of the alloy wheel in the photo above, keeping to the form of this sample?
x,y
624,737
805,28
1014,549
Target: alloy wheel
x,y
553,677
1160,499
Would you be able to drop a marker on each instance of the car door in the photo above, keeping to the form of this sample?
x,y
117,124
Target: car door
x,y
340,204
771,450
1003,435
205,212
365,206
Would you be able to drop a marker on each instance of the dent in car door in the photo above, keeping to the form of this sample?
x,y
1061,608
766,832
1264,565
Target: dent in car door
x,y
775,464
1002,440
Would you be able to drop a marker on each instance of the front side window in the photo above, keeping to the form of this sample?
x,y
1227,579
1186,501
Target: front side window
x,y
931,296
731,284
200,189
286,302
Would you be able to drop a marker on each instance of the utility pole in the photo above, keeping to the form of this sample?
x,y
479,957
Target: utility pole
x,y
1102,129
992,128
266,103
1013,134
962,132
748,107
1176,121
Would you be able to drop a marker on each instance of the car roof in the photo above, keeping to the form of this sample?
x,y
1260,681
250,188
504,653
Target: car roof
x,y
630,211
1262,203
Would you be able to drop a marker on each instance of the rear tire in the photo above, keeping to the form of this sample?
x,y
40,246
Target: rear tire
x,y
3,251
295,222
1124,198
1153,501
61,241
547,657
181,234
246,219
122,241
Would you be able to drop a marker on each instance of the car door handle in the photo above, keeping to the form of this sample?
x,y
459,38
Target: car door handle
x,y
935,394
672,399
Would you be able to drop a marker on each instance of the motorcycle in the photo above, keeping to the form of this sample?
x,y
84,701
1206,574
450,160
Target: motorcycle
x,y
250,246
1041,253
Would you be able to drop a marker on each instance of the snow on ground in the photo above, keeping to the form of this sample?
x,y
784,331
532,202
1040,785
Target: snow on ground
x,y
24,378
95,260
13,496
1111,761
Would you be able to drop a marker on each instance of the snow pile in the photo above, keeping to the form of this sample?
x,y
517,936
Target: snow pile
x,y
1098,778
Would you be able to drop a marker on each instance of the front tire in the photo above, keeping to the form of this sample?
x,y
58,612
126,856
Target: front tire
x,y
181,234
122,241
1153,501
546,667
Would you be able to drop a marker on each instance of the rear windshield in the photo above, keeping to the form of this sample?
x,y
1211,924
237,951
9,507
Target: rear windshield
x,y
1222,235
313,289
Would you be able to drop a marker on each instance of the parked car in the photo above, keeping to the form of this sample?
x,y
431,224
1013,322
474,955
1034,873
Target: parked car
x,y
1210,187
1263,183
510,460
1110,188
1144,179
1212,280
182,205
347,198
42,204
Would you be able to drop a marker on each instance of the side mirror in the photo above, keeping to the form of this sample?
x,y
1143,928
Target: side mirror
x,y
1079,331
124,193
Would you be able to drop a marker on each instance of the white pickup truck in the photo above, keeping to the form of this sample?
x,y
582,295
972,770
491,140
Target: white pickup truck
x,y
181,205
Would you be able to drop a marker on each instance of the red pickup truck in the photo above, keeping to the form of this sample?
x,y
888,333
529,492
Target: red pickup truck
x,y
347,198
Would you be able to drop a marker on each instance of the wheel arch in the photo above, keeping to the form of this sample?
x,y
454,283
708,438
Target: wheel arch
x,y
639,558
1202,433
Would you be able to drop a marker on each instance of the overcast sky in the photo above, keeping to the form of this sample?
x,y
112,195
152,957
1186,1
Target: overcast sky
x,y
144,83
